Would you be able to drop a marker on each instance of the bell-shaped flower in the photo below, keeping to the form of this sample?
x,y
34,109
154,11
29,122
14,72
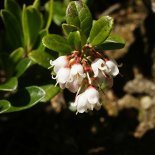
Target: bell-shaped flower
x,y
88,100
59,63
73,86
77,72
112,67
63,76
76,77
97,66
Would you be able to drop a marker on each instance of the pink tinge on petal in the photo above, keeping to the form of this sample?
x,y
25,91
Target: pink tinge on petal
x,y
73,86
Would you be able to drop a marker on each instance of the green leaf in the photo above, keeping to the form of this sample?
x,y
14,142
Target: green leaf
x,y
13,29
9,85
50,91
78,14
26,98
59,12
112,42
13,7
100,31
16,56
32,23
57,43
49,10
4,106
74,40
36,4
41,57
68,28
22,66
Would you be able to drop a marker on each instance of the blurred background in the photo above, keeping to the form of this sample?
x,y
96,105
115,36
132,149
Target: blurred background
x,y
126,123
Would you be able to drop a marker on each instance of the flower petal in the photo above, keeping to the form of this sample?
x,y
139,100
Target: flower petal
x,y
113,69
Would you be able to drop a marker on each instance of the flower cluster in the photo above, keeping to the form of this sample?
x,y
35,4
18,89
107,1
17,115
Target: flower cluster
x,y
87,73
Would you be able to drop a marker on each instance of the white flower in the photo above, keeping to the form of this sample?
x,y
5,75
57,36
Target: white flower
x,y
76,77
59,63
112,67
87,100
97,66
109,67
73,86
63,76
77,72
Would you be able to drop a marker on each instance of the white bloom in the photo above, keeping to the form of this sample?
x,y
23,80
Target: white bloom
x,y
63,76
87,100
73,86
112,67
76,77
92,95
77,72
97,65
109,67
59,63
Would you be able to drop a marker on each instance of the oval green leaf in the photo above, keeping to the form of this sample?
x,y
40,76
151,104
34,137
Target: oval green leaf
x,y
57,43
13,29
112,42
16,56
100,31
50,92
22,66
9,85
4,106
26,98
32,24
74,40
67,28
78,14
13,7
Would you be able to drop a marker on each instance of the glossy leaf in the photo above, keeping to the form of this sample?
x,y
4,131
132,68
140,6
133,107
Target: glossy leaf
x,y
49,10
68,28
100,31
26,98
9,85
32,23
13,29
4,106
113,42
50,91
41,57
57,43
16,56
74,40
78,14
22,66
13,7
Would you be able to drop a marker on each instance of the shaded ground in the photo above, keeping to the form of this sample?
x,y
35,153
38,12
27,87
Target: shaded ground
x,y
36,132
